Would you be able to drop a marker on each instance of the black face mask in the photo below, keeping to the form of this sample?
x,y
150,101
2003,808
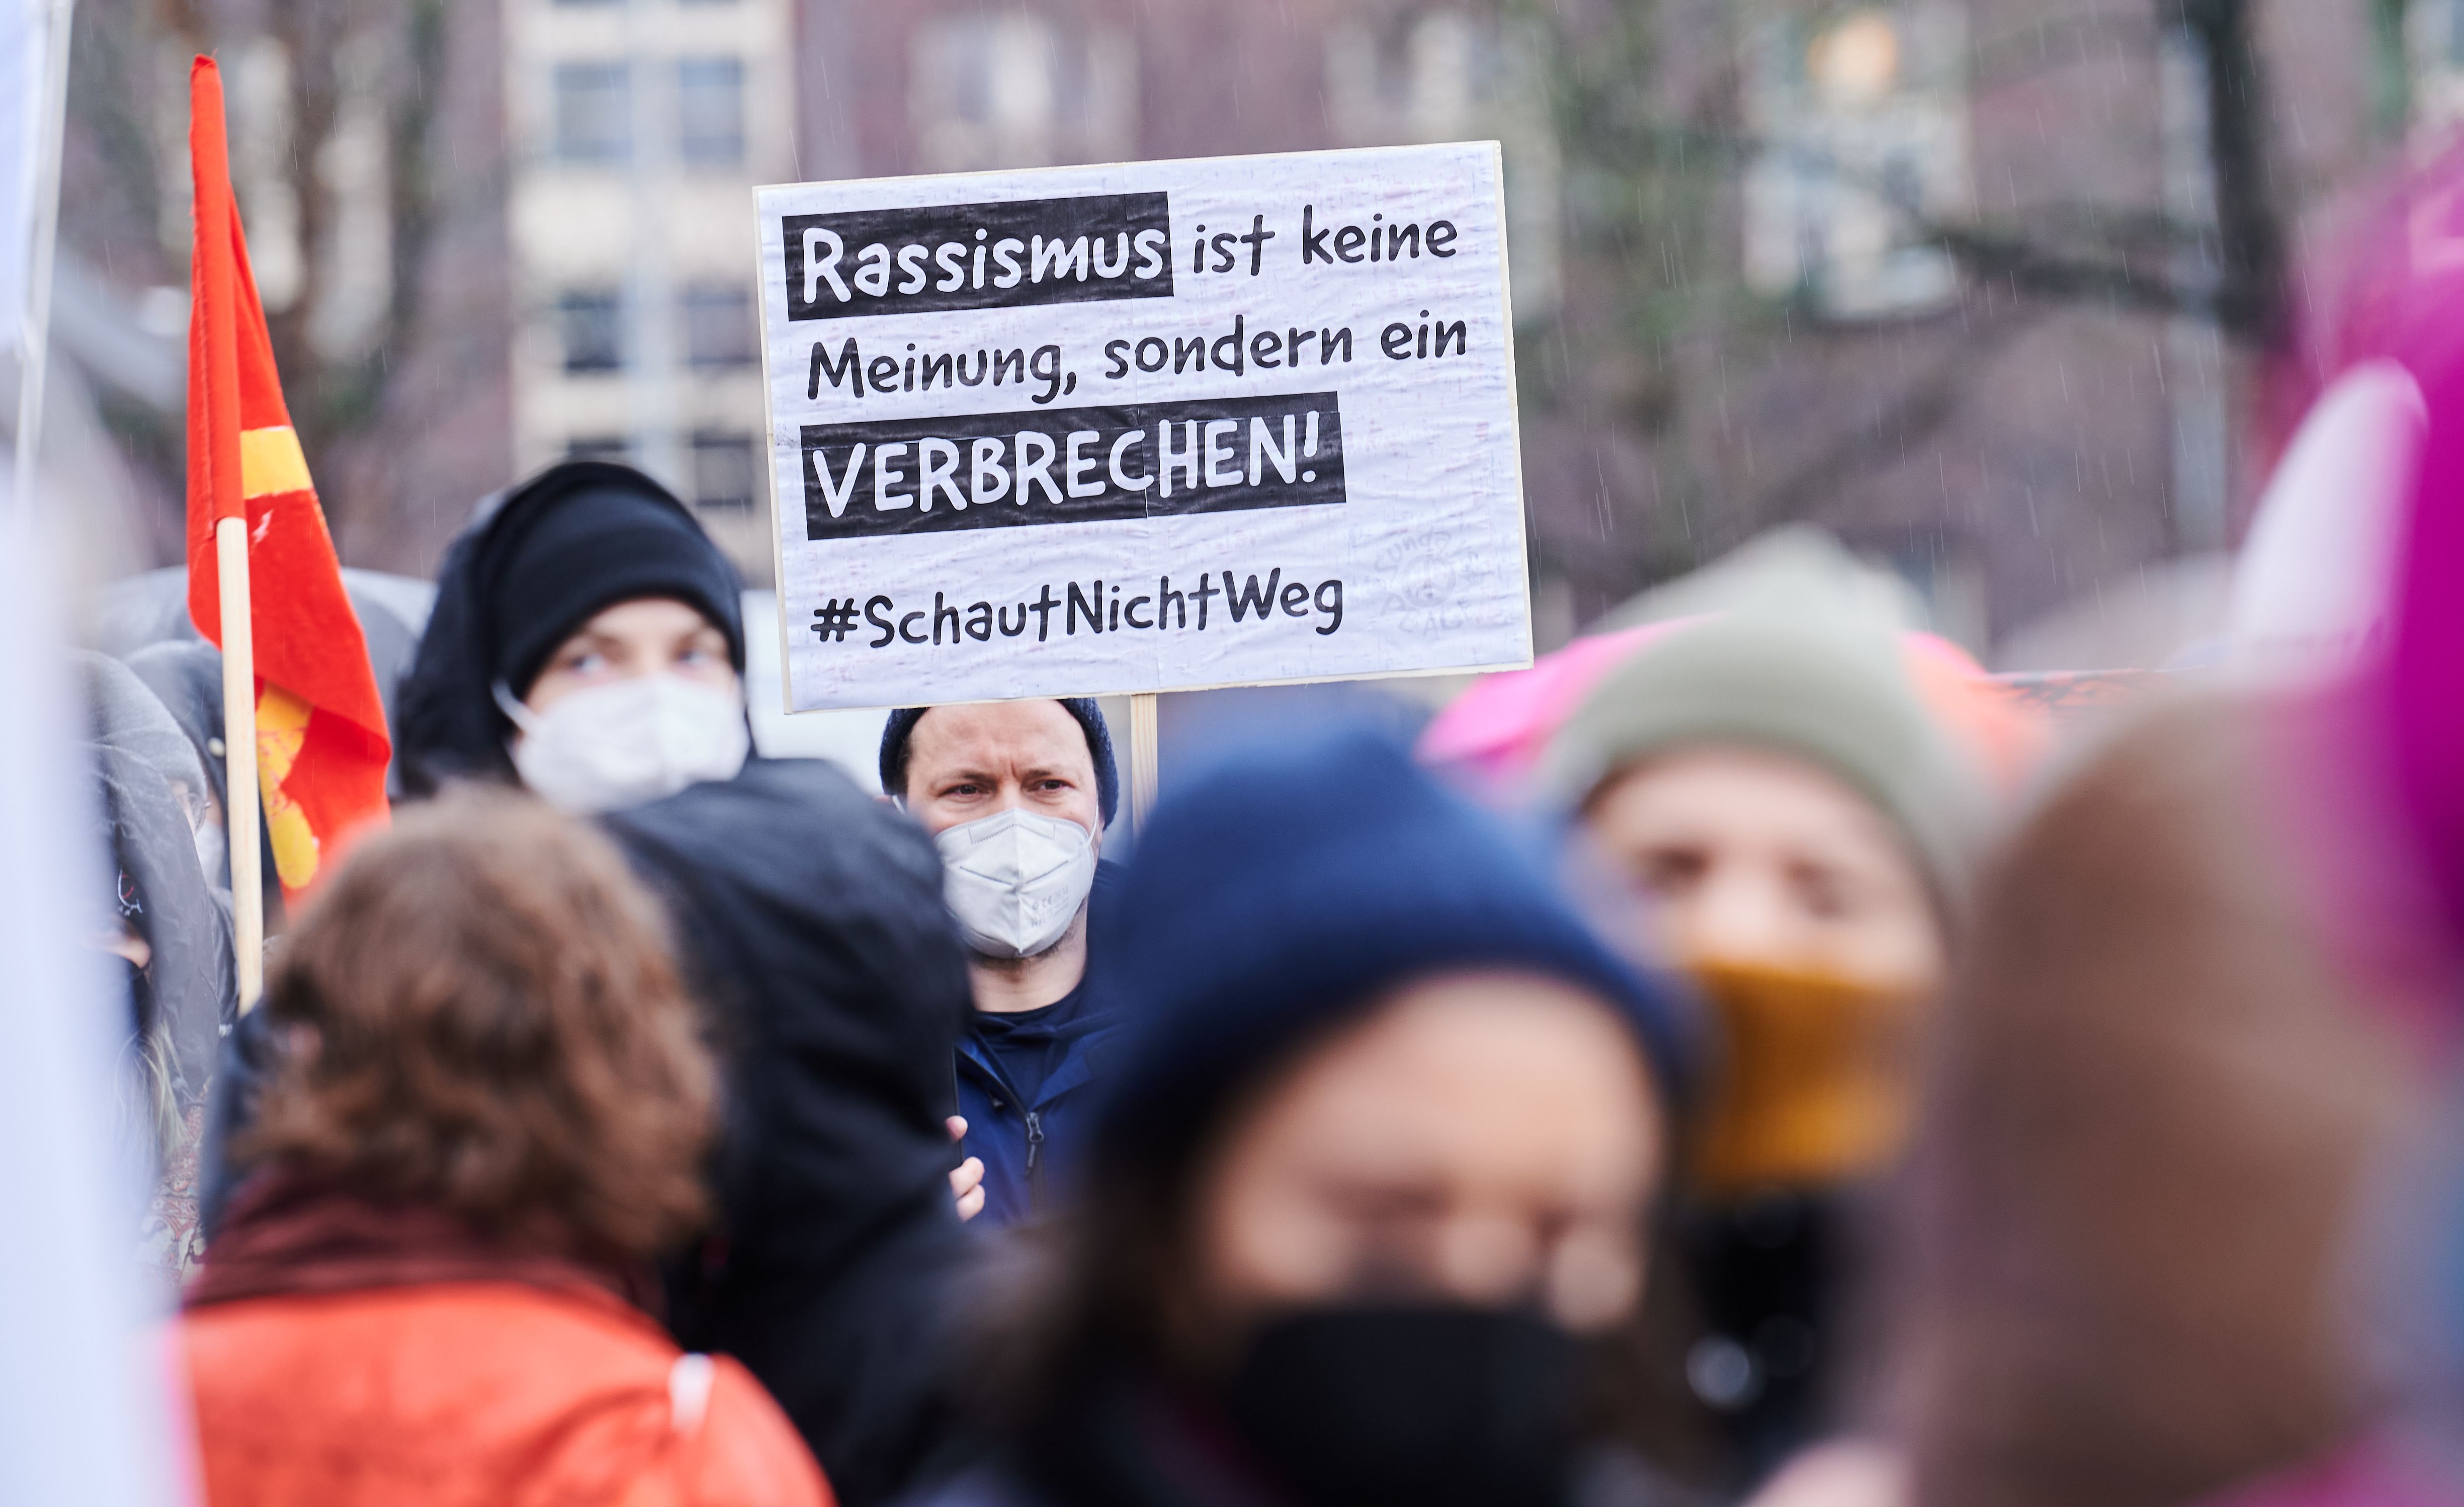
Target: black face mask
x,y
1433,1405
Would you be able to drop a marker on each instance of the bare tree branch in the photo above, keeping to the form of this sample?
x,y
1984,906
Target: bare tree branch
x,y
1914,414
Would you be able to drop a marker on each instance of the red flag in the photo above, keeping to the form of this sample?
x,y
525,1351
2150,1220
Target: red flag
x,y
320,731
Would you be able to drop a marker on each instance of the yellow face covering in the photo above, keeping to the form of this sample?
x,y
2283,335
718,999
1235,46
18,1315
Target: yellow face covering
x,y
1816,1080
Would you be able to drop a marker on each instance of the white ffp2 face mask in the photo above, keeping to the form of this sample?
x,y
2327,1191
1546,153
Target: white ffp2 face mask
x,y
1015,879
627,741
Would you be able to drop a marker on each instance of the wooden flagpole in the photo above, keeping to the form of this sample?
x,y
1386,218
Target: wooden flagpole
x,y
240,758
1143,761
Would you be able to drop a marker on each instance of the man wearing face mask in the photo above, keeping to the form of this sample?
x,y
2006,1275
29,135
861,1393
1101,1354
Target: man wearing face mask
x,y
1016,796
1373,1179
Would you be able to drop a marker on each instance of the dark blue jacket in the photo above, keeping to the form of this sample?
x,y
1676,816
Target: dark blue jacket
x,y
1029,1149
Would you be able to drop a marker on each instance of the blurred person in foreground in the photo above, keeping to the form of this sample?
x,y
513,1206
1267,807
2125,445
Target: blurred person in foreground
x,y
1016,796
1375,1168
1798,825
2161,1103
491,1115
587,645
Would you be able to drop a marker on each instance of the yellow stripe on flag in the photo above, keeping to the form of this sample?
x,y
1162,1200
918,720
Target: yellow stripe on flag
x,y
270,462
281,728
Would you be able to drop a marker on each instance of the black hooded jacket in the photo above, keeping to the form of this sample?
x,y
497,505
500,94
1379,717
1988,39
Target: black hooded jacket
x,y
811,915
811,921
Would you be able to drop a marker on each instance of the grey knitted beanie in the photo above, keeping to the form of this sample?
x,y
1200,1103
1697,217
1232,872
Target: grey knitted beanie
x,y
1809,673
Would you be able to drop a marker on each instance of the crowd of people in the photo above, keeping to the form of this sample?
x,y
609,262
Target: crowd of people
x,y
1750,1057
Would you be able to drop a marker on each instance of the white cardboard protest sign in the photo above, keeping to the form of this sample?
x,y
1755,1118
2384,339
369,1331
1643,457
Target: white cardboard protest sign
x,y
1145,427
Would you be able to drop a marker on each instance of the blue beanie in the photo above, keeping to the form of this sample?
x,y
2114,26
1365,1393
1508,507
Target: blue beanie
x,y
901,728
1281,896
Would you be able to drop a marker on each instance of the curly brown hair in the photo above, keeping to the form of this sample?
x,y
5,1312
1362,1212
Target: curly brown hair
x,y
485,1016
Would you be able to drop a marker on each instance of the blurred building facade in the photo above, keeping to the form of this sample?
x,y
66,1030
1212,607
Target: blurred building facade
x,y
639,130
1799,349
1732,308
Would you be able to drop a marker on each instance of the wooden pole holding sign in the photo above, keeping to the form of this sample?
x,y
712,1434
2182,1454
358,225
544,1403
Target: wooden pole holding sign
x,y
240,758
1143,766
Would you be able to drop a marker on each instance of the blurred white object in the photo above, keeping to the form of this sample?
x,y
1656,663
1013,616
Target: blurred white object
x,y
25,30
1847,1473
2311,593
2168,614
33,109
85,1368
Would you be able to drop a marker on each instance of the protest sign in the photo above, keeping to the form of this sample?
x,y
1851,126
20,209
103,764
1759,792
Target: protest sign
x,y
1144,427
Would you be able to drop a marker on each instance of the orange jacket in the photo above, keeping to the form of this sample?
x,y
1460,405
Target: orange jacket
x,y
499,1393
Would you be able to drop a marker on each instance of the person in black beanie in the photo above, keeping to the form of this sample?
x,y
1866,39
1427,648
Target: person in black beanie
x,y
1376,1161
588,643
1016,796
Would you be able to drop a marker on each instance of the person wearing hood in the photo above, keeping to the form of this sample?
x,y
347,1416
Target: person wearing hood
x,y
1797,829
173,935
587,644
1016,796
1375,1169
172,942
811,918
129,715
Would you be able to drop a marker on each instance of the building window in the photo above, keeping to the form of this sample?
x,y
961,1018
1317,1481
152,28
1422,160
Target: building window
x,y
594,113
1862,120
1014,90
592,324
709,110
719,327
598,447
722,472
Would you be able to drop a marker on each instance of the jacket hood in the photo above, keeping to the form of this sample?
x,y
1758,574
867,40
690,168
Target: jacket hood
x,y
162,893
811,920
187,677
